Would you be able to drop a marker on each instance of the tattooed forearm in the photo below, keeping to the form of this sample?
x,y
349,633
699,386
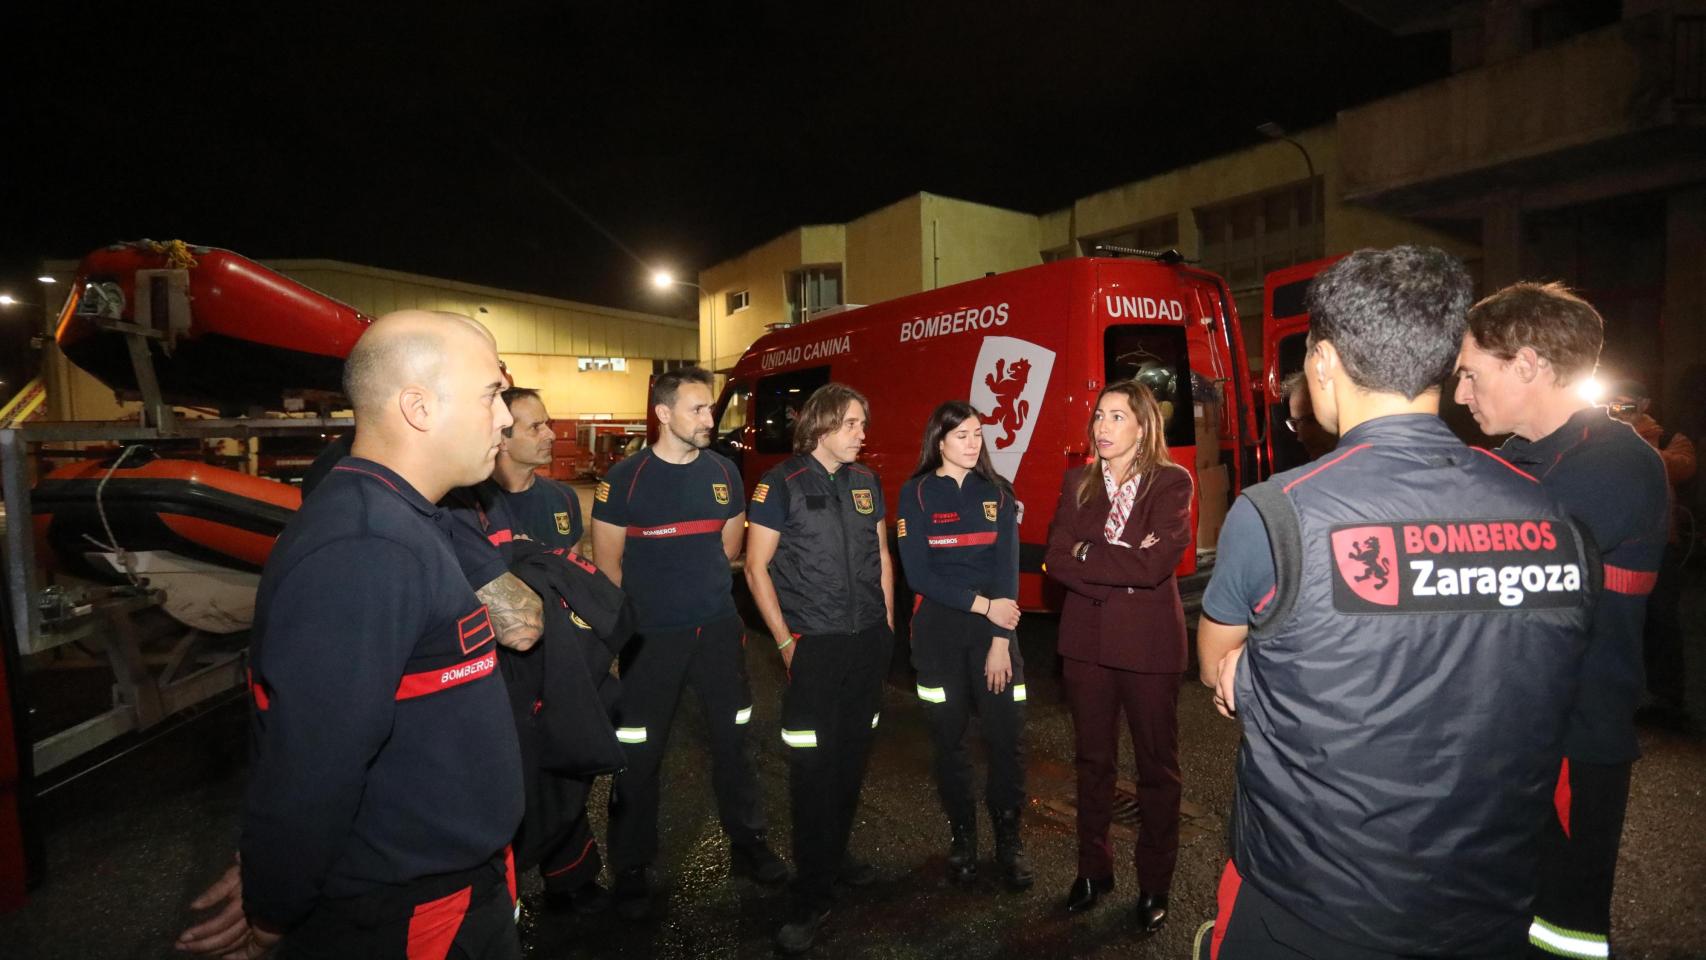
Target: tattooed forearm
x,y
517,615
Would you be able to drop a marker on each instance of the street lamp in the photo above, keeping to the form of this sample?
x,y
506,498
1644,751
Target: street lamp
x,y
1274,131
663,280
7,300
44,278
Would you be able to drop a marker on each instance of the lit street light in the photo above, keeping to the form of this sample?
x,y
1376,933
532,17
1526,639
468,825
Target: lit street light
x,y
46,279
663,280
7,299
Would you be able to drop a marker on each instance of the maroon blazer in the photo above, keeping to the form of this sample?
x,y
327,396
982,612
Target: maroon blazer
x,y
1122,603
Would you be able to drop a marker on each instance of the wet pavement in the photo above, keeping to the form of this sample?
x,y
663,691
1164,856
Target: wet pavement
x,y
131,842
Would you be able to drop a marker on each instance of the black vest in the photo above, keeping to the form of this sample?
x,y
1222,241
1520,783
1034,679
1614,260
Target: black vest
x,y
1404,694
828,566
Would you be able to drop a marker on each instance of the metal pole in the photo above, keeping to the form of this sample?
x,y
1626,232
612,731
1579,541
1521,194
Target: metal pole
x,y
20,544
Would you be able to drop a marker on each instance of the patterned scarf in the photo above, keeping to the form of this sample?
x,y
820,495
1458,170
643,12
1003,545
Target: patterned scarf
x,y
1120,500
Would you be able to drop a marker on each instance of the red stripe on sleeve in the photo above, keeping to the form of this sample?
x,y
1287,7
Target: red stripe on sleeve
x,y
432,681
1634,583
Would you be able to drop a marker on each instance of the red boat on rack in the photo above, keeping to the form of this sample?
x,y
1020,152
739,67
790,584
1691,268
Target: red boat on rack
x,y
224,329
203,532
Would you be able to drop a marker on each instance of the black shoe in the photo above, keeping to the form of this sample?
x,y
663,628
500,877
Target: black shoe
x,y
1151,910
1084,893
800,931
756,860
856,873
1010,852
588,898
962,852
633,893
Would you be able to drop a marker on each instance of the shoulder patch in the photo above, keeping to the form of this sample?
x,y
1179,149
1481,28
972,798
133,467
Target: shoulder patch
x,y
989,508
602,495
900,527
760,493
720,492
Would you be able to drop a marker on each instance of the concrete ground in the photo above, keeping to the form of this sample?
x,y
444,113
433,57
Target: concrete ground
x,y
131,842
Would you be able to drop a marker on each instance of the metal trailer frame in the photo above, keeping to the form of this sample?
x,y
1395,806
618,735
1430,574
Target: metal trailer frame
x,y
142,697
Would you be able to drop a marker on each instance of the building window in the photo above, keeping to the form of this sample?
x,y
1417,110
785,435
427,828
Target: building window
x,y
737,301
603,364
1159,234
1244,240
660,367
811,289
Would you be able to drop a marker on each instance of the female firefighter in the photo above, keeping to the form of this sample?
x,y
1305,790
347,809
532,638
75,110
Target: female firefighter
x,y
958,531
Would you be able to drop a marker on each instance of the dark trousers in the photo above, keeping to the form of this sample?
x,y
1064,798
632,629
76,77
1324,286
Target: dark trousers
x,y
948,651
465,915
1250,926
554,835
1661,648
1578,861
655,666
1096,695
829,718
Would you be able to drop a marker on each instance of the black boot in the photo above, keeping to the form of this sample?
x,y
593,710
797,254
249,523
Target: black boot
x,y
1151,910
756,860
1085,891
1010,851
962,852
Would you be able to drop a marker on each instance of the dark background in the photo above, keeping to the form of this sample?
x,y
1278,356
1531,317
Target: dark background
x,y
565,148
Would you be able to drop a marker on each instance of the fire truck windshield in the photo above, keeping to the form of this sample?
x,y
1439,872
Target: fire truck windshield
x,y
1155,356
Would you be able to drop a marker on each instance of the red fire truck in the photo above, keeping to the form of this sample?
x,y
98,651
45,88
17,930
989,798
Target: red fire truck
x,y
1030,350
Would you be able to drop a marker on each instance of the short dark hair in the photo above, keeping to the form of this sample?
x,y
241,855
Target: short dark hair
x,y
1396,317
823,412
1547,317
521,393
513,394
667,385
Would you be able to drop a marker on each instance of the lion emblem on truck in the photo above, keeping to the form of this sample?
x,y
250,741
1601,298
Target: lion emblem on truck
x,y
1008,384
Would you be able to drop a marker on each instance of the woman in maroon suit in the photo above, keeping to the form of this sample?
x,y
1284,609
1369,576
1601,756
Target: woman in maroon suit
x,y
1121,526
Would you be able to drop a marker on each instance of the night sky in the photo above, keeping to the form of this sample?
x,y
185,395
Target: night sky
x,y
562,148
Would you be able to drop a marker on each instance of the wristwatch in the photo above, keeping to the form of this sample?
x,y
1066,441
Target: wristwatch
x,y
1082,551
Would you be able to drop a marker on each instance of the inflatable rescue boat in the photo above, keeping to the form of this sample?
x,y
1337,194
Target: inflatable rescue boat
x,y
231,332
202,532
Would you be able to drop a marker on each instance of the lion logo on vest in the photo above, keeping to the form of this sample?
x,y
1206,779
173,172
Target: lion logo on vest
x,y
721,492
862,501
1008,383
1363,558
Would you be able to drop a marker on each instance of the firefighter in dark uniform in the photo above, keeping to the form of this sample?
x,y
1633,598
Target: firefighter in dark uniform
x,y
544,510
1527,349
666,523
958,530
1416,616
817,561
517,504
386,781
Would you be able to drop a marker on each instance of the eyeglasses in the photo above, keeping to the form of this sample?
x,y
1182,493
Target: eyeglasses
x,y
1292,423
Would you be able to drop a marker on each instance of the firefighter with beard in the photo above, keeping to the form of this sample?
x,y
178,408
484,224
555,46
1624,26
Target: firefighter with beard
x,y
666,524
